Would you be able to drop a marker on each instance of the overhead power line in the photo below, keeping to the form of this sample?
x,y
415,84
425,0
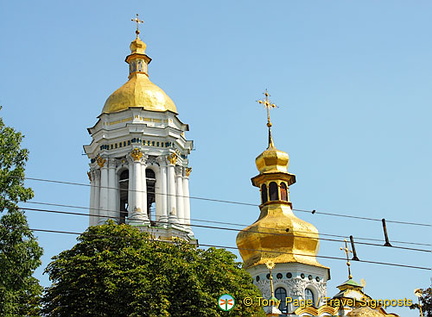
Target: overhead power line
x,y
248,204
268,251
220,222
233,229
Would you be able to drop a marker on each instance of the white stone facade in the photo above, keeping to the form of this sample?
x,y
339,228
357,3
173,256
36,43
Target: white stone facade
x,y
139,171
299,281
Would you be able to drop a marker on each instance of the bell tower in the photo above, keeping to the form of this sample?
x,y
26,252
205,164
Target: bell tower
x,y
279,237
139,168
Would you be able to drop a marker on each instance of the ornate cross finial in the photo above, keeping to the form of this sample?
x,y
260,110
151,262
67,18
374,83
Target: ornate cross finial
x,y
271,265
137,21
268,105
348,263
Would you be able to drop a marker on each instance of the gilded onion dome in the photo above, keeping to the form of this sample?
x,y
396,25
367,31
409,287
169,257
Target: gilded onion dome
x,y
278,235
138,91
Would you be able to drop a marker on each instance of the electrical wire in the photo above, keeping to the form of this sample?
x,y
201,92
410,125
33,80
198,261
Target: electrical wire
x,y
267,251
243,203
225,223
230,229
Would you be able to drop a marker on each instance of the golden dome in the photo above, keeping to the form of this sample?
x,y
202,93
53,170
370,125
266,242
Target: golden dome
x,y
272,160
279,236
138,91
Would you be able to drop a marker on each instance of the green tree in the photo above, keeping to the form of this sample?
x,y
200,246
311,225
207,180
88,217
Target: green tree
x,y
425,302
19,251
116,270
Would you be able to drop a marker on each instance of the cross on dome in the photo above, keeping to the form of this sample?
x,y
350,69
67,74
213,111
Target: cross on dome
x,y
268,105
348,263
138,22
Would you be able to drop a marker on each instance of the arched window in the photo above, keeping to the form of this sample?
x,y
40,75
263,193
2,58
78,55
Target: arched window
x,y
264,197
124,188
281,294
284,191
273,191
151,191
309,295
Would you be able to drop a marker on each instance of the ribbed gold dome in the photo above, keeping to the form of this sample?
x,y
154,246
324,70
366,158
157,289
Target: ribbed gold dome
x,y
279,236
139,92
272,160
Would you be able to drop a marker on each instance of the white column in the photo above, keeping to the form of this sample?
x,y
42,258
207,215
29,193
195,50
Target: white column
x,y
179,194
96,203
143,185
92,210
137,212
186,198
103,203
113,210
131,188
161,192
172,208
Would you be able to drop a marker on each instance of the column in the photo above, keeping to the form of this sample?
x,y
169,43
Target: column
x,y
103,202
172,210
161,191
137,210
92,209
179,194
131,188
113,210
143,185
186,199
96,204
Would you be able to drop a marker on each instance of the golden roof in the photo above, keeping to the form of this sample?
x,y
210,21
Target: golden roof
x,y
272,160
278,235
138,91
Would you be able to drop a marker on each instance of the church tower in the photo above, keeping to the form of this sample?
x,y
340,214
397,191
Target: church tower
x,y
279,237
139,169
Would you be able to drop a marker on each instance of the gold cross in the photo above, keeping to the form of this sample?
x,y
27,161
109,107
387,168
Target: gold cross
x,y
347,252
137,21
267,104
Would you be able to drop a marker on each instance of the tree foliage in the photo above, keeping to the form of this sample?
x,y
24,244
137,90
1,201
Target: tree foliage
x,y
19,251
116,270
425,302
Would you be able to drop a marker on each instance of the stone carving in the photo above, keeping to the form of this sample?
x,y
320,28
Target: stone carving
x,y
152,160
188,171
172,158
179,170
136,154
89,176
264,287
112,163
297,286
100,161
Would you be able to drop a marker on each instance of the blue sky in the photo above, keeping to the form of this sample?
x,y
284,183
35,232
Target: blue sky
x,y
352,80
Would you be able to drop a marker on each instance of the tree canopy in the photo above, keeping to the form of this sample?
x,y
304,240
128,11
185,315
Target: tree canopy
x,y
19,251
117,270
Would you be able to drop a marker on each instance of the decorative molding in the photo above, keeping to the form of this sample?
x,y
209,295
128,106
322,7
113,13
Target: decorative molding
x,y
188,171
179,170
112,163
161,160
296,286
100,161
264,287
136,154
153,160
89,175
172,158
